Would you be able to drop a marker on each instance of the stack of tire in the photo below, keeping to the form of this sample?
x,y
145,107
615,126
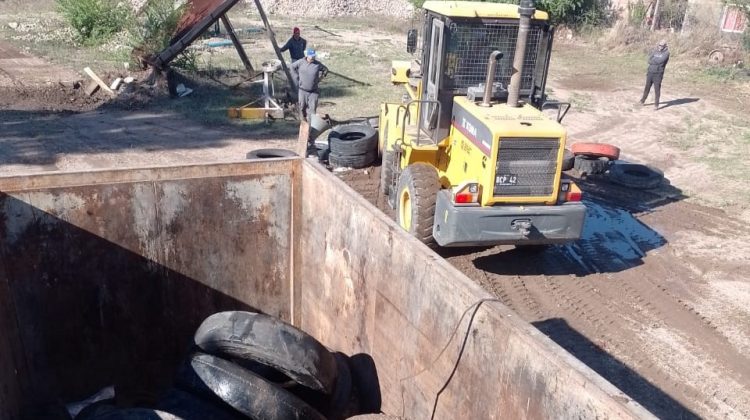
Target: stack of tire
x,y
352,146
246,365
602,158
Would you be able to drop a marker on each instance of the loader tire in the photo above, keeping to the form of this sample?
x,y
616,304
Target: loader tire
x,y
568,162
596,150
243,390
270,154
591,165
386,171
635,175
267,340
415,201
353,140
356,162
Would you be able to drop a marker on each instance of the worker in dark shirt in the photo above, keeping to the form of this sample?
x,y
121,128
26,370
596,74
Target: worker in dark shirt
x,y
307,73
296,46
657,62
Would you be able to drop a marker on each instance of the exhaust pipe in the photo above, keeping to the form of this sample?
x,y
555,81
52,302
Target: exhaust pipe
x,y
495,56
526,10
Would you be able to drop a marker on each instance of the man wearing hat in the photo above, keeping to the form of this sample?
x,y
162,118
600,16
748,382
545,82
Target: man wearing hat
x,y
307,73
296,46
657,61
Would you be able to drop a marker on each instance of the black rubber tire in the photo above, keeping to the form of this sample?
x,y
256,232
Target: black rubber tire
x,y
353,140
374,122
386,171
356,162
96,409
568,162
366,384
243,390
192,407
342,394
136,414
270,154
532,249
591,165
635,175
265,339
421,183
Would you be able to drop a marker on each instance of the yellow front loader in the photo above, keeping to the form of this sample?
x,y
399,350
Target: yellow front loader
x,y
468,156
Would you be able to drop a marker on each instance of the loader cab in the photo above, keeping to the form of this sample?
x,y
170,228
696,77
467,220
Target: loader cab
x,y
458,37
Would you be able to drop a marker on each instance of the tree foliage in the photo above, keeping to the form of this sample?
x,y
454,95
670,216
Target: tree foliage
x,y
94,20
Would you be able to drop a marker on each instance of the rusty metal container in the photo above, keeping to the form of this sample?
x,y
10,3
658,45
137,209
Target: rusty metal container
x,y
105,275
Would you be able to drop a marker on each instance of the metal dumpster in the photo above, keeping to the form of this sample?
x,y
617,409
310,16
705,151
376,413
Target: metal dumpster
x,y
104,276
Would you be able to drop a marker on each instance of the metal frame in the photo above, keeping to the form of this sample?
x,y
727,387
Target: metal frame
x,y
270,109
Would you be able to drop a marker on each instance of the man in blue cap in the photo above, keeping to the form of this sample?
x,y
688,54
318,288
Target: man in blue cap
x,y
307,72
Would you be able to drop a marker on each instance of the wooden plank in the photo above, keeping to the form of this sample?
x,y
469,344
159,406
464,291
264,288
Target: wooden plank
x,y
99,81
304,136
292,86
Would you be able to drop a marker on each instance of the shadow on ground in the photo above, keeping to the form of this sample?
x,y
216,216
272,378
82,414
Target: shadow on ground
x,y
613,238
678,102
35,138
610,368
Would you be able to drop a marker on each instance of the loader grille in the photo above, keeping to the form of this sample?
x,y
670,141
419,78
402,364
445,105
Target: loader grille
x,y
526,167
470,45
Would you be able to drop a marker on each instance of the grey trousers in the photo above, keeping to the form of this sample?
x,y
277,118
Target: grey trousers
x,y
308,103
655,80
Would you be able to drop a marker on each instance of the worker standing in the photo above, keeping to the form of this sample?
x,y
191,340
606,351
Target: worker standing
x,y
657,62
296,46
307,72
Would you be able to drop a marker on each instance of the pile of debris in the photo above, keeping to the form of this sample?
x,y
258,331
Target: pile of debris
x,y
402,9
250,365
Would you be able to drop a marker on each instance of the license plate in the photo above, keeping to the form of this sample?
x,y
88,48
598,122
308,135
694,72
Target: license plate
x,y
506,179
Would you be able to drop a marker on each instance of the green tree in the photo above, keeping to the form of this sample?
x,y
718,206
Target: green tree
x,y
95,20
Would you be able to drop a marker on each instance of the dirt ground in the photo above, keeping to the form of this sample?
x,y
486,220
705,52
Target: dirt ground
x,y
50,124
654,297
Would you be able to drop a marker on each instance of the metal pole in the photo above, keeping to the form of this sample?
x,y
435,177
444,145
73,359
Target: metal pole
x,y
237,43
526,10
491,70
288,74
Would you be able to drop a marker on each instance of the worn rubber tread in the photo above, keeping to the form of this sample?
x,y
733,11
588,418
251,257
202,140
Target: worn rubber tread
x,y
270,154
342,394
267,340
136,414
193,407
596,150
423,184
386,171
353,140
356,162
243,390
366,384
591,165
635,175
568,162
